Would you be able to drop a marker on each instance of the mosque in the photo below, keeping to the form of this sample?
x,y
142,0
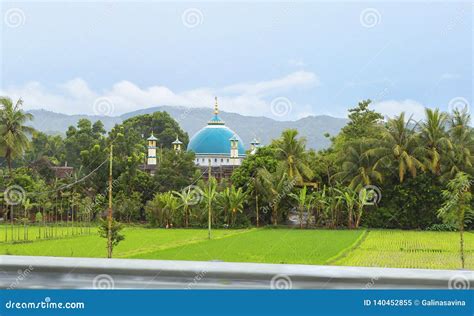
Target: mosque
x,y
216,147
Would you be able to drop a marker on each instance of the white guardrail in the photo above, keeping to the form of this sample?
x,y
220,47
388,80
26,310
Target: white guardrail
x,y
25,272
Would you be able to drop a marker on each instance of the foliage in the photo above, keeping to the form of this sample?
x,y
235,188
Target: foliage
x,y
116,230
127,206
13,131
456,209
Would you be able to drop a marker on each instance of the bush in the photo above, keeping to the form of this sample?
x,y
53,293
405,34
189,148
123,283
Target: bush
x,y
412,204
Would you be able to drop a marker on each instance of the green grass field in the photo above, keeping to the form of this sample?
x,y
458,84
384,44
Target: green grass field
x,y
379,248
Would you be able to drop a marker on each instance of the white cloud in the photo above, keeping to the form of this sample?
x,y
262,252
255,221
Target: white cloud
x,y
392,108
76,97
299,78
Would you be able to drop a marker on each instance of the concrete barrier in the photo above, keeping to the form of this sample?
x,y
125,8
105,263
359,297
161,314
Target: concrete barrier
x,y
27,272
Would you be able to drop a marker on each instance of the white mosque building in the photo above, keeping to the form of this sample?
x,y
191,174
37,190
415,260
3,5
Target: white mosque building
x,y
215,146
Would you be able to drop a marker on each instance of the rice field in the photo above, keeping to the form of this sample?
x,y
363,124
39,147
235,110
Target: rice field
x,y
378,248
411,249
137,240
266,246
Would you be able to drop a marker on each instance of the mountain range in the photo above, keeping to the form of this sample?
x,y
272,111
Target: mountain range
x,y
191,120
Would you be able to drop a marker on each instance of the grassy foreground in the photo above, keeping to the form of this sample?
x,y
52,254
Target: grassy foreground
x,y
379,248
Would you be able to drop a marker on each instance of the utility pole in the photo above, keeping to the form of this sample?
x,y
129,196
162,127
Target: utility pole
x,y
256,206
109,216
209,200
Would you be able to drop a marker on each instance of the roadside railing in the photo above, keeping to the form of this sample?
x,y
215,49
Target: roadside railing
x,y
27,272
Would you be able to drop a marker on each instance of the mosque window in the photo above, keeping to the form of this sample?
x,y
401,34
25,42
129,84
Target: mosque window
x,y
227,159
222,160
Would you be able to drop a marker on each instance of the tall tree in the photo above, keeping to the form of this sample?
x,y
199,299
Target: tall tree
x,y
434,138
398,147
461,134
358,169
13,131
276,186
291,151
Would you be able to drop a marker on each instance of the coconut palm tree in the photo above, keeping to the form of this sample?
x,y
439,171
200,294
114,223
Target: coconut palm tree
x,y
276,186
358,168
456,208
291,152
461,157
398,147
435,139
13,131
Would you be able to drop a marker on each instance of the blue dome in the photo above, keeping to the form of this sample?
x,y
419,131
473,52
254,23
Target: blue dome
x,y
214,139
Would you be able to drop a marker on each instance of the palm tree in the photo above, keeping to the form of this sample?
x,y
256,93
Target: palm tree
x,y
292,154
358,168
398,147
170,205
209,194
187,199
234,200
435,139
461,135
256,188
456,208
276,185
13,131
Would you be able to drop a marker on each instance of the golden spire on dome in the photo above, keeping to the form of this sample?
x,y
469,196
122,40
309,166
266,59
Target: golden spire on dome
x,y
216,107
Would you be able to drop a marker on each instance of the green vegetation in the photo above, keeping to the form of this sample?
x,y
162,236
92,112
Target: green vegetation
x,y
410,249
393,174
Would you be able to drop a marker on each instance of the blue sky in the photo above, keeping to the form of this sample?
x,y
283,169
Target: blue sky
x,y
281,60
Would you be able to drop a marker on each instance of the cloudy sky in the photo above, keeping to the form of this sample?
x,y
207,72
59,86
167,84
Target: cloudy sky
x,y
281,60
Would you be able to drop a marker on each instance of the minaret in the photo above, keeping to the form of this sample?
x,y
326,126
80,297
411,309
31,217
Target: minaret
x,y
216,107
234,147
254,146
151,157
177,145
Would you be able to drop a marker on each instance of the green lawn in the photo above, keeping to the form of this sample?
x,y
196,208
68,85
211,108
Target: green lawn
x,y
379,248
411,249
